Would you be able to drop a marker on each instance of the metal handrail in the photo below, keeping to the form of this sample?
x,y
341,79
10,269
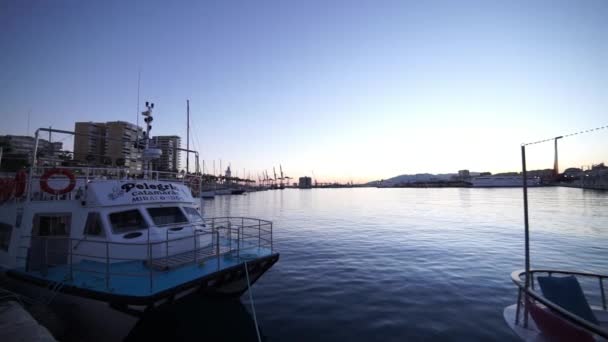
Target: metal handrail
x,y
594,328
239,238
236,218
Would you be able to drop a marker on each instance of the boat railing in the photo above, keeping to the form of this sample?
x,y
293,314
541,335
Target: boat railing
x,y
518,277
60,258
247,232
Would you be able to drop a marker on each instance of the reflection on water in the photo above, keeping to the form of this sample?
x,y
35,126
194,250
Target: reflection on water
x,y
402,264
196,318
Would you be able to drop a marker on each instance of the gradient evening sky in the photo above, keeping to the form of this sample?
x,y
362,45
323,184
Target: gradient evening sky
x,y
357,90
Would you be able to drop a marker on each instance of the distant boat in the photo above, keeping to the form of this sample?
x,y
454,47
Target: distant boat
x,y
503,181
208,193
237,191
225,191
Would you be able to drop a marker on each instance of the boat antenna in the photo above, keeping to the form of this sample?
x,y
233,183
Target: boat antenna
x,y
148,120
137,111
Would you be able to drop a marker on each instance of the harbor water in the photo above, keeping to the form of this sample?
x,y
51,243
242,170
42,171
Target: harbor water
x,y
367,264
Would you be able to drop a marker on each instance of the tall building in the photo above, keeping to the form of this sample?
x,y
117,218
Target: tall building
x,y
89,142
120,141
110,143
170,158
305,183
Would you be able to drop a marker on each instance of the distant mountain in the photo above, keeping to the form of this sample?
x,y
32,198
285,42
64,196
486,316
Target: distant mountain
x,y
419,177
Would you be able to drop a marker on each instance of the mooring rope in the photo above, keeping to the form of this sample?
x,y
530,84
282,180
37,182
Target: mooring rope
x,y
255,319
567,135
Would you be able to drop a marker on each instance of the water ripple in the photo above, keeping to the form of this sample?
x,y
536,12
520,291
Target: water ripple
x,y
411,264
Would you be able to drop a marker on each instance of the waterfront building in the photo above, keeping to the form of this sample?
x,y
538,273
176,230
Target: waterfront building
x,y
18,149
23,144
170,157
305,183
89,141
120,144
228,175
109,143
464,174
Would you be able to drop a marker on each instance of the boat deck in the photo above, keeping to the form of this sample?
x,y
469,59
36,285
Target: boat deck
x,y
136,278
217,253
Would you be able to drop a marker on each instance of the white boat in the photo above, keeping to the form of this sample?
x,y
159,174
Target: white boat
x,y
551,303
108,242
208,194
503,181
224,191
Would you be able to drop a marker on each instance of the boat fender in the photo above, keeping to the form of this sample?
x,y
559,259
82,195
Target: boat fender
x,y
44,181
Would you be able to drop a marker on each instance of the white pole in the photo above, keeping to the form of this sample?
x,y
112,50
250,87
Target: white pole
x,y
187,136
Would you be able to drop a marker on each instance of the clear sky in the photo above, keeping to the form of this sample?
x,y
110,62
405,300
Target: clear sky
x,y
357,90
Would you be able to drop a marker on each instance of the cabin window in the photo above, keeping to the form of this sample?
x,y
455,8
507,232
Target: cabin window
x,y
167,215
193,214
93,227
5,235
127,221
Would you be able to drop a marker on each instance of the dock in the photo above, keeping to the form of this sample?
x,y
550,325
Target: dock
x,y
16,324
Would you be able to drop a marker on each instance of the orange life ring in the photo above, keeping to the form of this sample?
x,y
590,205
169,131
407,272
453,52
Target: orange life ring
x,y
44,181
20,181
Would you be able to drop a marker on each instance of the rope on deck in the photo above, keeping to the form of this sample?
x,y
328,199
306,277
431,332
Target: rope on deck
x,y
255,319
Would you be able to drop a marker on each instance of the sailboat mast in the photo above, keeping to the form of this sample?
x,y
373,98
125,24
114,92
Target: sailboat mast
x,y
187,136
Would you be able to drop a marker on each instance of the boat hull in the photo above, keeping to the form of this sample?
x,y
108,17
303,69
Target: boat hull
x,y
82,307
532,333
503,182
229,282
208,194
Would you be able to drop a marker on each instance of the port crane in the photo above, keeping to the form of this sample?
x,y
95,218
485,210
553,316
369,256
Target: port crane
x,y
283,177
267,178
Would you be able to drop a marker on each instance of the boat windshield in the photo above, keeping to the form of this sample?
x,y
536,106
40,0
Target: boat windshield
x,y
167,215
193,214
127,221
